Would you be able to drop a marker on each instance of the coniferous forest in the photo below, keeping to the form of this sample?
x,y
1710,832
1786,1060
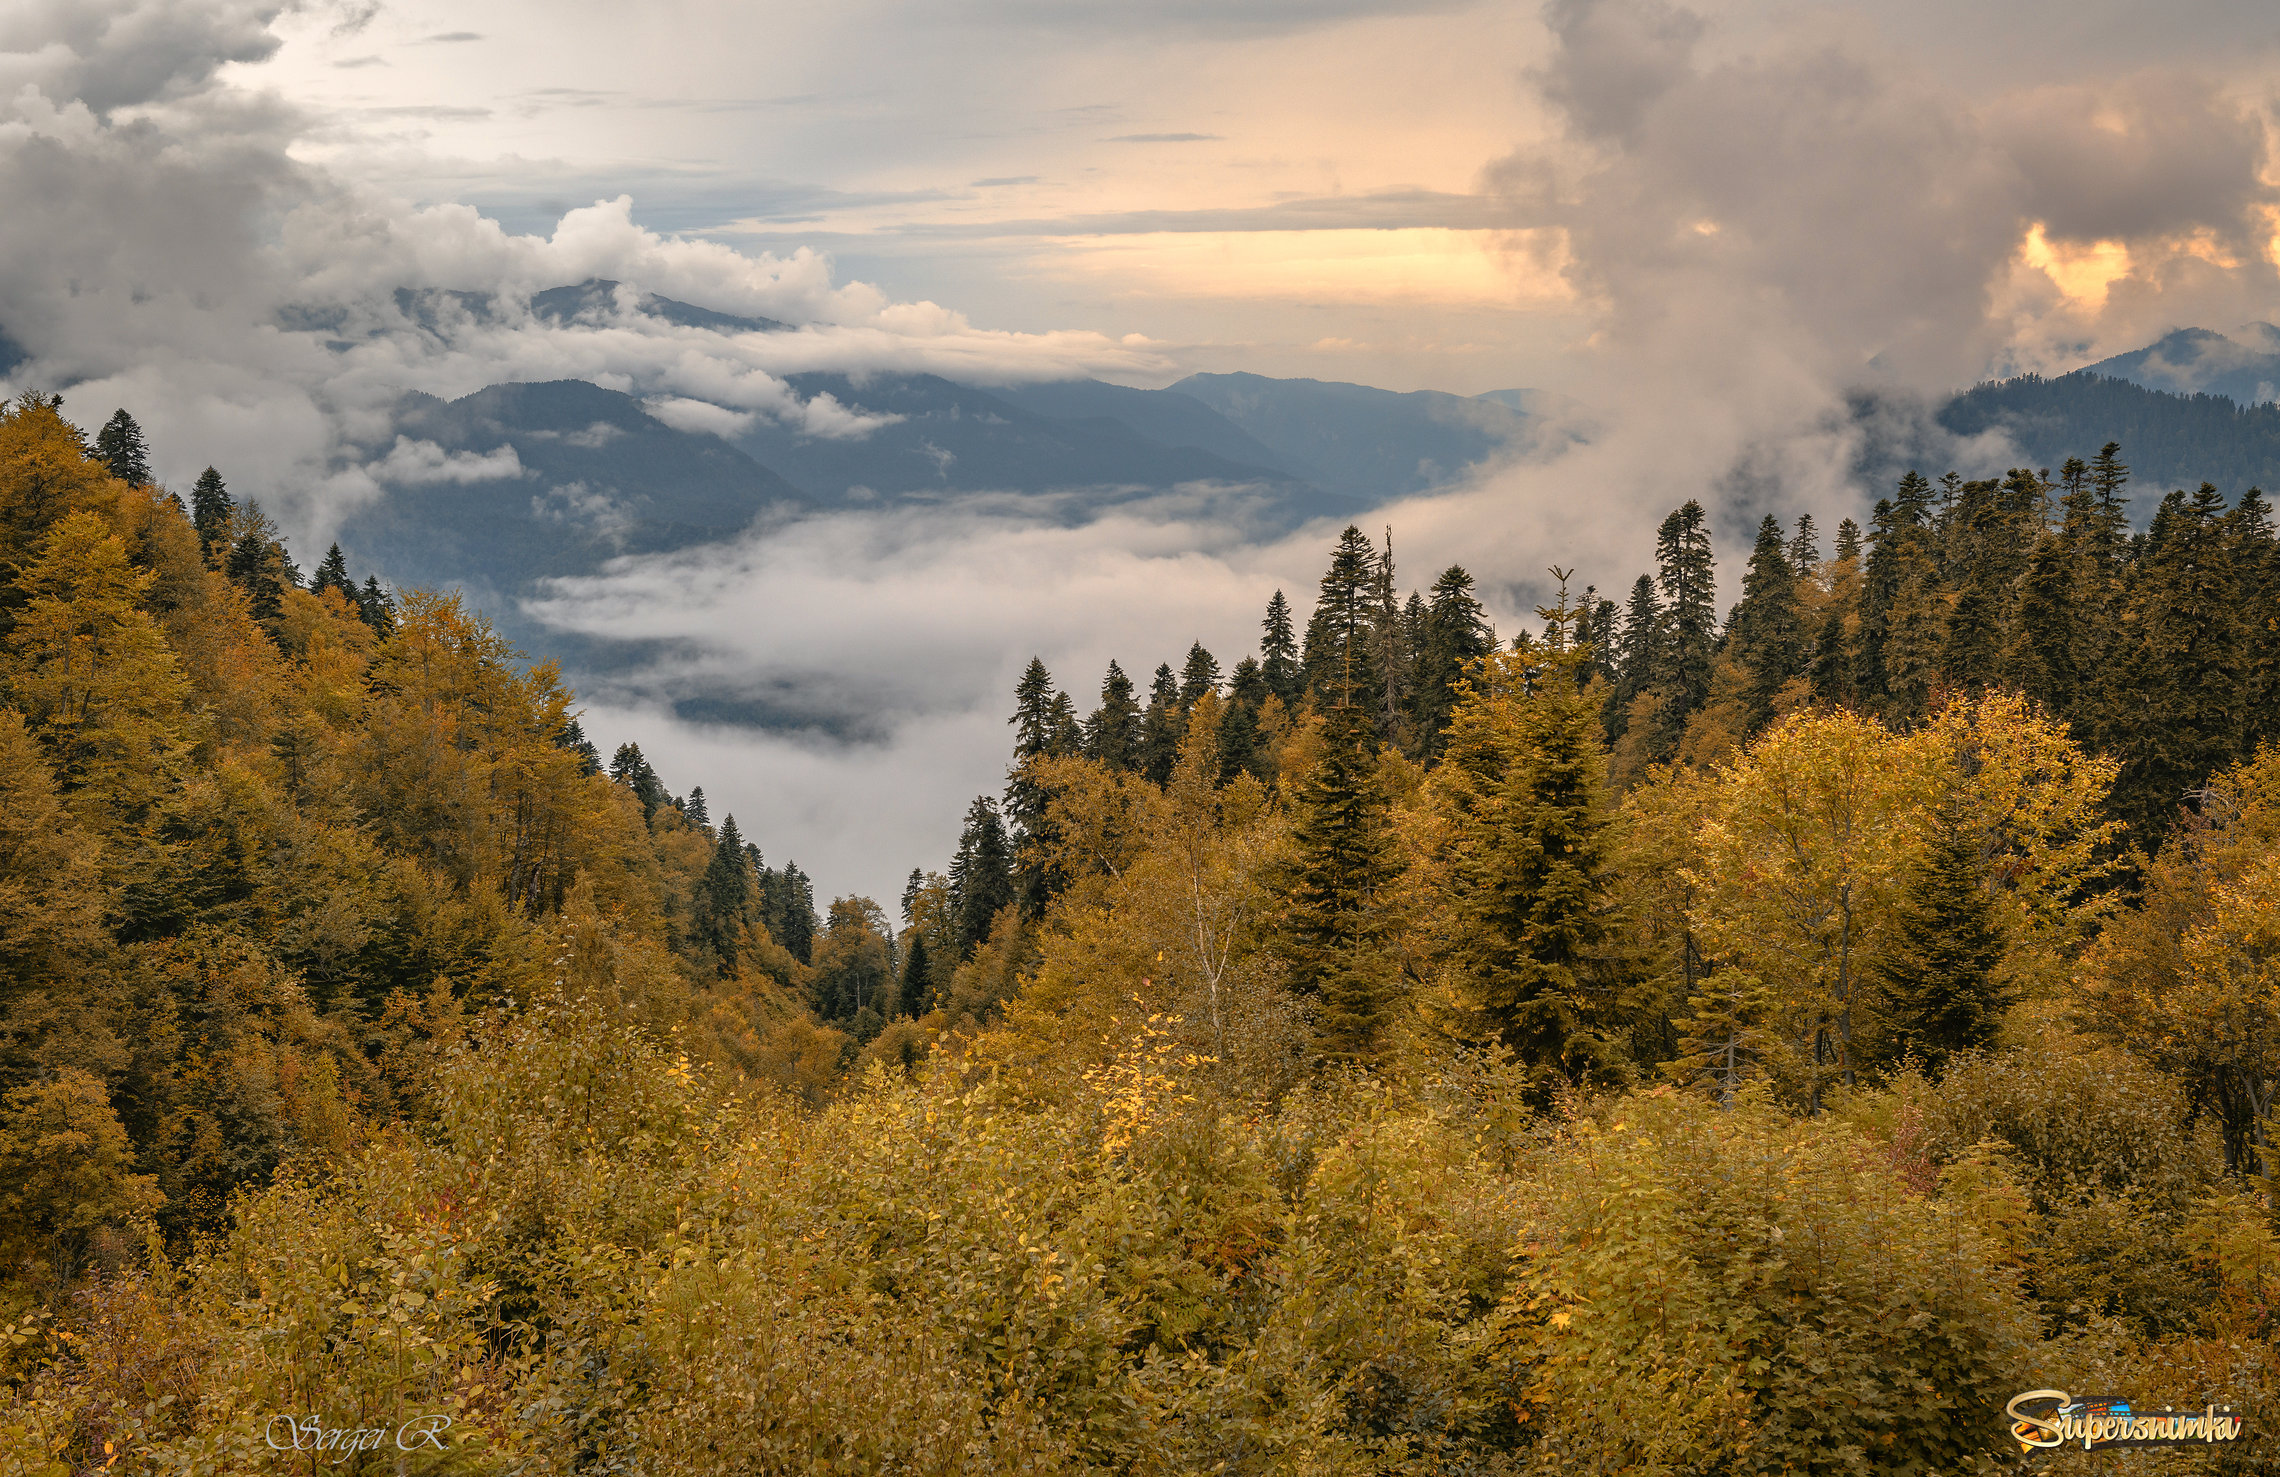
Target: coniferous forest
x,y
1699,1032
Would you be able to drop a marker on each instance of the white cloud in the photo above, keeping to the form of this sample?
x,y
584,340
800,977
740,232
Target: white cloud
x,y
412,463
684,414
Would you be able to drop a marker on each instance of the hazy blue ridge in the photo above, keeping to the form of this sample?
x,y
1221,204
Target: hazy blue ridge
x,y
2244,367
596,299
1165,416
1366,443
933,439
600,477
2168,440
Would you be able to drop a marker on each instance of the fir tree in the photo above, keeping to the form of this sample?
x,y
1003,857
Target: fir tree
x,y
1162,727
1768,632
723,904
1456,634
1112,734
981,876
1240,741
1198,676
2254,550
572,739
693,809
1278,652
1848,542
1935,985
1044,726
914,991
787,910
629,768
332,574
1341,670
1539,962
1638,654
1334,924
1689,593
911,889
1805,548
119,446
2181,672
211,511
252,568
376,605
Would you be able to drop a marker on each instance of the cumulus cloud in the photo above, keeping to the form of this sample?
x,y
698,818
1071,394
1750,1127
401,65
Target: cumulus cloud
x,y
425,464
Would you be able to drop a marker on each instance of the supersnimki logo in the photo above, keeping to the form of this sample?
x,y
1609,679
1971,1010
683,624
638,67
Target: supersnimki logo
x,y
2047,1420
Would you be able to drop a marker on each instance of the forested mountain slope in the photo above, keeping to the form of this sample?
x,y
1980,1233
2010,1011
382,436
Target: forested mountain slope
x,y
1416,1048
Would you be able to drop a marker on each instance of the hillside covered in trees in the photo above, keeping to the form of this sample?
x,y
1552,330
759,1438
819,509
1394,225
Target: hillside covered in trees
x,y
1657,1040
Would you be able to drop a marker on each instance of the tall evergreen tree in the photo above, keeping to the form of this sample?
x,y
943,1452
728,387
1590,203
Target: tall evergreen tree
x,y
2254,549
629,768
1278,652
1112,734
981,875
1639,656
1198,676
914,991
211,507
1044,726
723,903
1241,744
376,605
573,740
1848,541
2181,669
1456,634
1689,592
1805,547
1935,986
1540,965
120,446
693,809
252,568
1162,727
332,574
787,909
1341,670
1768,632
911,889
1334,924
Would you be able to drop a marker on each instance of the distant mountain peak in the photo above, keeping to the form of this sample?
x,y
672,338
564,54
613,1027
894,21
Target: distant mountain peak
x,y
597,298
2243,366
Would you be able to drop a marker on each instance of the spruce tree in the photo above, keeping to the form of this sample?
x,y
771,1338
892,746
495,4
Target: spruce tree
x,y
1539,961
1456,634
981,876
2254,550
1198,676
914,991
1341,635
1935,984
723,904
693,809
332,574
1639,657
1768,632
376,605
1334,925
1241,744
629,768
1112,734
211,508
252,568
1805,548
2180,674
911,889
1162,727
1278,652
119,446
572,739
1848,542
1689,593
1044,726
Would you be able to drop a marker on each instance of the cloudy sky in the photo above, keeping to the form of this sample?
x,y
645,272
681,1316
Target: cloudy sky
x,y
1706,222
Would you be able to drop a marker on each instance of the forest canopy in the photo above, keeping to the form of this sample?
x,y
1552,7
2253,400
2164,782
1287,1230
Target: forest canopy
x,y
1659,1039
